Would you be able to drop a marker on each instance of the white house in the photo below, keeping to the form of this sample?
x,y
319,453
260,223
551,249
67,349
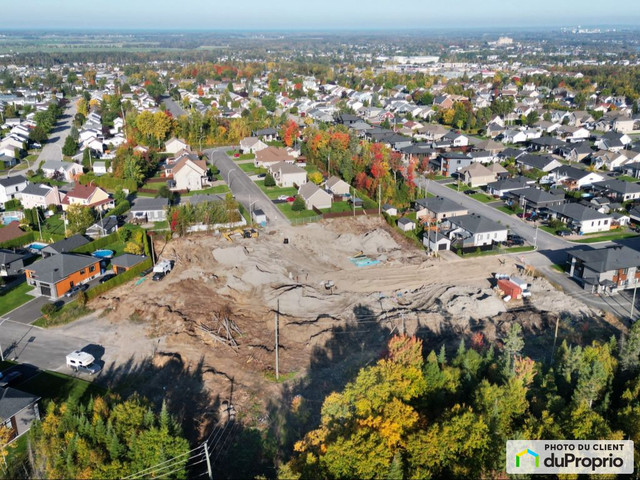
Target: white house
x,y
287,175
252,145
582,219
11,188
40,196
314,196
173,145
190,174
475,231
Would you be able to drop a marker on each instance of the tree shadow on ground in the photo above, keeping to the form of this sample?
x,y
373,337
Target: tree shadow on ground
x,y
257,447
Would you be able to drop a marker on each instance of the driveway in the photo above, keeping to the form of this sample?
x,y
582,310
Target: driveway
x,y
53,148
243,188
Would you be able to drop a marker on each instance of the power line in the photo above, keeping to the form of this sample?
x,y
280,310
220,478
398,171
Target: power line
x,y
235,425
171,460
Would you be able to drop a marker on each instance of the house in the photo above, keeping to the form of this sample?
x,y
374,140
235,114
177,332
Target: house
x,y
56,275
546,144
474,231
288,175
18,410
490,146
267,134
451,162
87,196
406,224
580,218
618,190
535,198
190,174
100,167
272,155
613,141
149,209
67,171
337,186
544,163
103,227
252,145
498,170
173,145
314,196
125,262
623,125
456,139
42,196
10,231
437,209
514,136
65,245
11,263
477,175
574,178
436,241
11,188
575,152
609,269
502,187
389,210
606,160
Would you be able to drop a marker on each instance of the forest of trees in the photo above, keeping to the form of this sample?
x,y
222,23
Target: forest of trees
x,y
447,417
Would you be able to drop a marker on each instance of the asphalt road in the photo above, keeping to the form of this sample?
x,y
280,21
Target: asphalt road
x,y
52,150
175,109
244,189
45,348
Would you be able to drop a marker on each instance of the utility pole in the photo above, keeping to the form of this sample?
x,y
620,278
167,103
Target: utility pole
x,y
353,201
633,302
153,255
277,327
206,453
329,165
38,216
379,200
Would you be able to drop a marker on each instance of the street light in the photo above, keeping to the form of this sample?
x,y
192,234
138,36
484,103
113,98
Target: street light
x,y
229,177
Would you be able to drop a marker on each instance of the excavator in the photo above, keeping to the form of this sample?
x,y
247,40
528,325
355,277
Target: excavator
x,y
244,233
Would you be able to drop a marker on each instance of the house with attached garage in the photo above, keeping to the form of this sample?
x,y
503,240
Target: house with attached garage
x,y
56,275
149,209
287,174
337,186
11,263
87,196
618,190
190,174
605,160
575,152
68,171
456,139
544,163
573,178
252,145
477,175
450,162
502,187
473,230
581,218
40,195
437,209
535,198
610,269
314,196
613,141
271,156
435,241
11,188
18,410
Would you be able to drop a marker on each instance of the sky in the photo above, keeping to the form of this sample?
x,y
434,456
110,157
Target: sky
x,y
312,14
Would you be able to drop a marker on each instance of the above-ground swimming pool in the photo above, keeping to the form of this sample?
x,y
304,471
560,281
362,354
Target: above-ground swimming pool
x,y
36,246
7,220
103,254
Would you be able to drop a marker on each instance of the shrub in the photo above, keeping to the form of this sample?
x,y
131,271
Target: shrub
x,y
298,204
49,309
269,181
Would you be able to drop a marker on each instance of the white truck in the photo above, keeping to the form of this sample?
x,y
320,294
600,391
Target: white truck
x,y
163,266
80,361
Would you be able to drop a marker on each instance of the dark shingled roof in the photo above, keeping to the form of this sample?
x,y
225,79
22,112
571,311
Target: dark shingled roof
x,y
56,267
476,224
127,260
607,259
13,401
439,204
66,245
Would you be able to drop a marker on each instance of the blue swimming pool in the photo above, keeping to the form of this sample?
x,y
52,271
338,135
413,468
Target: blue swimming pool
x,y
363,261
7,220
36,246
103,254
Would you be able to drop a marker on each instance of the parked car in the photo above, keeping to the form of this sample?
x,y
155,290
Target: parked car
x,y
291,199
90,369
283,198
77,289
563,233
158,276
107,277
469,192
262,175
7,379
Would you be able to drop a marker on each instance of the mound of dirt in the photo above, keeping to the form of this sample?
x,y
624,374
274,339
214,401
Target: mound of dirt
x,y
230,256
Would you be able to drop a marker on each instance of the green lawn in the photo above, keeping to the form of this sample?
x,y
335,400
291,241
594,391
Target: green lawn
x,y
558,268
606,237
251,169
243,156
154,185
627,178
454,186
206,191
499,251
338,207
482,197
70,312
54,225
48,181
276,143
275,192
505,209
116,247
15,297
57,387
286,209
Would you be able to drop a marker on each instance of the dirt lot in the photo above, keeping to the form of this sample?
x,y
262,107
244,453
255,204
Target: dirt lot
x,y
156,333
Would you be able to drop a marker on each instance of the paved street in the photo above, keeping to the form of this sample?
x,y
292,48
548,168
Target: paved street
x,y
244,189
53,148
45,348
175,109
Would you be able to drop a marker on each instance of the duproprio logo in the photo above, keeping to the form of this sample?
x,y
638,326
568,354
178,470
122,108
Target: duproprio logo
x,y
528,452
